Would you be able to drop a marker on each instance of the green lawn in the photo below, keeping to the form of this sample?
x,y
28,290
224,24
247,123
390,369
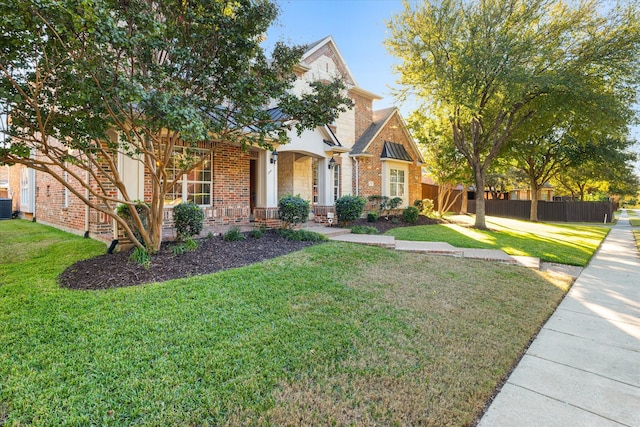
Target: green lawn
x,y
572,244
635,222
335,334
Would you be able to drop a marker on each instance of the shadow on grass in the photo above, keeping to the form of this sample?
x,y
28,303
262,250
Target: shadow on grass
x,y
568,244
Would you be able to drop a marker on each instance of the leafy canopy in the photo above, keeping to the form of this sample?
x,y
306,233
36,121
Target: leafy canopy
x,y
85,81
489,66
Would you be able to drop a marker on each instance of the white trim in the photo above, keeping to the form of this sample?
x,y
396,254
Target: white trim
x,y
387,166
327,40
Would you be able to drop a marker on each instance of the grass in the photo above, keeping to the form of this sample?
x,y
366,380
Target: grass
x,y
572,244
334,334
635,222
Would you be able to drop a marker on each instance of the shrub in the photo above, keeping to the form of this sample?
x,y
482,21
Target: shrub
x,y
386,204
349,208
142,208
141,256
302,235
189,245
425,207
258,232
372,216
293,210
188,219
410,214
178,249
364,229
233,235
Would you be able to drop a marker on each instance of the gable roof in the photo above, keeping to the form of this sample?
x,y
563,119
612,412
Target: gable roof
x,y
349,79
331,44
380,119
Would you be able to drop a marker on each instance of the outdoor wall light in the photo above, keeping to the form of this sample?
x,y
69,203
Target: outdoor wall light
x,y
332,163
274,157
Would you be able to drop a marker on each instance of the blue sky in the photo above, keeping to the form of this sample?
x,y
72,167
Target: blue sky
x,y
358,28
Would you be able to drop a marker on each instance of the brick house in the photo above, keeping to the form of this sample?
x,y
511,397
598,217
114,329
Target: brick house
x,y
364,152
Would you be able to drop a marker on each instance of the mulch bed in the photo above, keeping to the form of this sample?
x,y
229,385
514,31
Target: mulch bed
x,y
383,225
213,254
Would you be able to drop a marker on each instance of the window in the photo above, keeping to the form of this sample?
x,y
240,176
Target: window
x,y
336,182
396,183
314,174
194,186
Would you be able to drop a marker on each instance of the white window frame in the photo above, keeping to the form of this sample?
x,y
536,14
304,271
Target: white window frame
x,y
184,182
397,183
390,185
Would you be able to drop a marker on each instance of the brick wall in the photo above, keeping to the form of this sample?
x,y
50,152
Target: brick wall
x,y
60,208
363,111
371,168
230,187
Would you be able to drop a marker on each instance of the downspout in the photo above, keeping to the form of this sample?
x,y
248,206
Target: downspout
x,y
357,176
86,206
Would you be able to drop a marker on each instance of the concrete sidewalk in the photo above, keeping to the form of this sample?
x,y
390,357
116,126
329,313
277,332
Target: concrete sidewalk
x,y
434,248
583,369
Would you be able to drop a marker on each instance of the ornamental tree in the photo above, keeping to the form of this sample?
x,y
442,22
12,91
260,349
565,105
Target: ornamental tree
x,y
443,162
87,81
488,64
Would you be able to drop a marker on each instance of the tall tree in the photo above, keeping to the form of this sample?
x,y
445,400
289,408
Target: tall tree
x,y
87,81
567,131
605,167
487,63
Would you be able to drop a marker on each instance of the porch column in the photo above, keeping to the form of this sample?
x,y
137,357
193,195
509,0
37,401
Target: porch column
x,y
267,182
270,182
325,183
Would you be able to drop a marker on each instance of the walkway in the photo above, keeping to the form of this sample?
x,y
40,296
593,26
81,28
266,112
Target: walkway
x,y
583,369
436,248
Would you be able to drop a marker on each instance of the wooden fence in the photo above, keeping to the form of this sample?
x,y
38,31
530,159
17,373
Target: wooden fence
x,y
549,211
430,191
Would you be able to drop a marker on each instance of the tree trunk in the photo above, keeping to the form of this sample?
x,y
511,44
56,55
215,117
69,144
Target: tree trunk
x,y
533,212
480,203
155,220
464,206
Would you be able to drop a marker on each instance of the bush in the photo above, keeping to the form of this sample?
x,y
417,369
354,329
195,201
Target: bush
x,y
372,216
386,204
425,207
233,235
349,208
258,232
302,235
364,229
410,214
188,219
293,210
141,256
189,245
142,208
